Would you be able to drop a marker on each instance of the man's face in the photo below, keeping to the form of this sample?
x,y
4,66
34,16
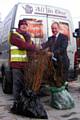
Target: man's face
x,y
24,27
55,29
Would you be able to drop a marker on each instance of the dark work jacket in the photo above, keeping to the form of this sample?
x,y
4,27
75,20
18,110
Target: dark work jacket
x,y
59,47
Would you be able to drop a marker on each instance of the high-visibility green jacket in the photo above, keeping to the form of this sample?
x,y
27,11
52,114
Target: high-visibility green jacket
x,y
18,55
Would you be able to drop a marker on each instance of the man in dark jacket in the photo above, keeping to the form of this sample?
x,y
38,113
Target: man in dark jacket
x,y
20,44
57,47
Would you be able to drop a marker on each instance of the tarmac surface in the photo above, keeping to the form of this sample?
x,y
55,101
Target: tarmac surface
x,y
53,114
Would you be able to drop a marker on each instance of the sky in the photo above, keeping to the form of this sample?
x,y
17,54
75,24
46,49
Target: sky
x,y
72,5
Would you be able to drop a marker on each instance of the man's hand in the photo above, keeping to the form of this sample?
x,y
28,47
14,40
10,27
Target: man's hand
x,y
38,46
49,53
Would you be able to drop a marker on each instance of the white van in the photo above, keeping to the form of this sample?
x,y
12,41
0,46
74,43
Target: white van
x,y
40,18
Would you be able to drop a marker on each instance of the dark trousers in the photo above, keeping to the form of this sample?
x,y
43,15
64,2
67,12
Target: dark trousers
x,y
18,82
62,68
65,73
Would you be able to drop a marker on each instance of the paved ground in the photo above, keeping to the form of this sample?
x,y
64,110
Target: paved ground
x,y
53,114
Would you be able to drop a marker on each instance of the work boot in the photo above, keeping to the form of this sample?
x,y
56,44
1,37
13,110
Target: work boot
x,y
44,91
13,109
